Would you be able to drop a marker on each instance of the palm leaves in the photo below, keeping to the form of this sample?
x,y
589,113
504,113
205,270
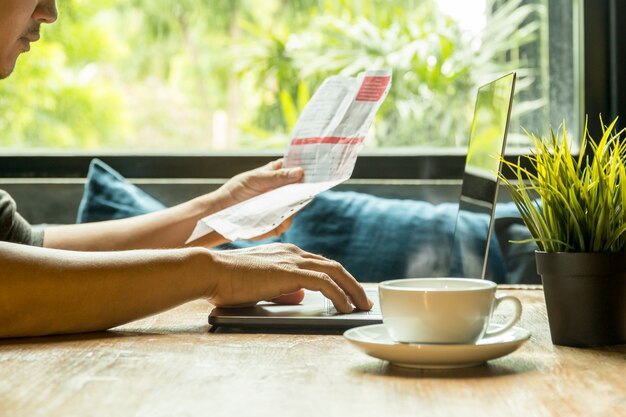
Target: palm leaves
x,y
434,62
569,203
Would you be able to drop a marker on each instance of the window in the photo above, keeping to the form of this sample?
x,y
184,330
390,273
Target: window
x,y
213,75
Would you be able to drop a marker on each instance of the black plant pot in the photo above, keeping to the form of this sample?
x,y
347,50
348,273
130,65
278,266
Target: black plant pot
x,y
585,297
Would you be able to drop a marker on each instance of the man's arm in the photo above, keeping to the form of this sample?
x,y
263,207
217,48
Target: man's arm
x,y
168,228
47,291
171,227
44,291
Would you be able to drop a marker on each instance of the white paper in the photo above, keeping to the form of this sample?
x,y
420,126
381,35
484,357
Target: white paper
x,y
325,143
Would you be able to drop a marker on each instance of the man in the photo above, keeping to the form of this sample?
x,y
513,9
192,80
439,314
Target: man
x,y
89,277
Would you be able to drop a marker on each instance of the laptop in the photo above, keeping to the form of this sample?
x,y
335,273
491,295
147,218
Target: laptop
x,y
479,193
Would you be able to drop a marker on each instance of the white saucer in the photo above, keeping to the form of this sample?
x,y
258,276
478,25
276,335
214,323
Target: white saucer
x,y
375,341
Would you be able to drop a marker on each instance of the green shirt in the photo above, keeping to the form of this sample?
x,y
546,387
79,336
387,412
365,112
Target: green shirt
x,y
13,227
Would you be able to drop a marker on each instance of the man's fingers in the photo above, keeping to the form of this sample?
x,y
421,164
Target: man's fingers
x,y
290,174
275,169
344,279
319,281
284,226
270,179
296,269
338,274
310,255
293,298
274,165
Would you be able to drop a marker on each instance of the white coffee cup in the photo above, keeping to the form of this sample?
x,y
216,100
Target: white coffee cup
x,y
442,310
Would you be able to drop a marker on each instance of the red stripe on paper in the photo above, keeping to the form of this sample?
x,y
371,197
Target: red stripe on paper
x,y
334,140
373,88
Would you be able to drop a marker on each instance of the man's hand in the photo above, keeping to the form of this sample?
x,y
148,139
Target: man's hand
x,y
279,272
256,182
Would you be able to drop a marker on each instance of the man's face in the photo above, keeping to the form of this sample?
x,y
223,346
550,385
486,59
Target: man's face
x,y
19,26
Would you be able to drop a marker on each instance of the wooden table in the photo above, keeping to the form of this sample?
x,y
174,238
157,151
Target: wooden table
x,y
169,365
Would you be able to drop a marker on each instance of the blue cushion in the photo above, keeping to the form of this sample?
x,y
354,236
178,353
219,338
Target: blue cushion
x,y
108,195
377,238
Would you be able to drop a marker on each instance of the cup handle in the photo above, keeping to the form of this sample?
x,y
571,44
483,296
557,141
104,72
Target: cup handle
x,y
516,316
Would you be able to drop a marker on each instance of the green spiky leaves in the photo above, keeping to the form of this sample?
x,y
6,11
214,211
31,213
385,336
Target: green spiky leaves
x,y
573,203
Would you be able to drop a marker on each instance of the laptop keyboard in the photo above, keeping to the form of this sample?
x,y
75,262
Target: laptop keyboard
x,y
371,294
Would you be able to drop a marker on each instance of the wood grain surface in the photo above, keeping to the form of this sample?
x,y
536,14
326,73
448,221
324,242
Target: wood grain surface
x,y
169,365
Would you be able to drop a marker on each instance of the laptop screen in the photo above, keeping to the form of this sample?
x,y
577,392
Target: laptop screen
x,y
479,191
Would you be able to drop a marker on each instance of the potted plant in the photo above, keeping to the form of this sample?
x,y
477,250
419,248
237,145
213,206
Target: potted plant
x,y
575,209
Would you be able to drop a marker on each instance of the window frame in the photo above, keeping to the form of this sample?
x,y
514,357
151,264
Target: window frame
x,y
603,91
604,77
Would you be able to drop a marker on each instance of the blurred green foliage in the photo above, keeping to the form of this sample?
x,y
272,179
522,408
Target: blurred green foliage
x,y
208,74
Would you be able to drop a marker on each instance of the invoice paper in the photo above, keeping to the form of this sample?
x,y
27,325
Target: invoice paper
x,y
325,143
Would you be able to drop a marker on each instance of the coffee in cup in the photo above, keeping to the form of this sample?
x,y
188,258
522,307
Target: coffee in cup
x,y
442,310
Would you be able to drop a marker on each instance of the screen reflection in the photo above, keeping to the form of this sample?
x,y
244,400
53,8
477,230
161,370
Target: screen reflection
x,y
479,191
